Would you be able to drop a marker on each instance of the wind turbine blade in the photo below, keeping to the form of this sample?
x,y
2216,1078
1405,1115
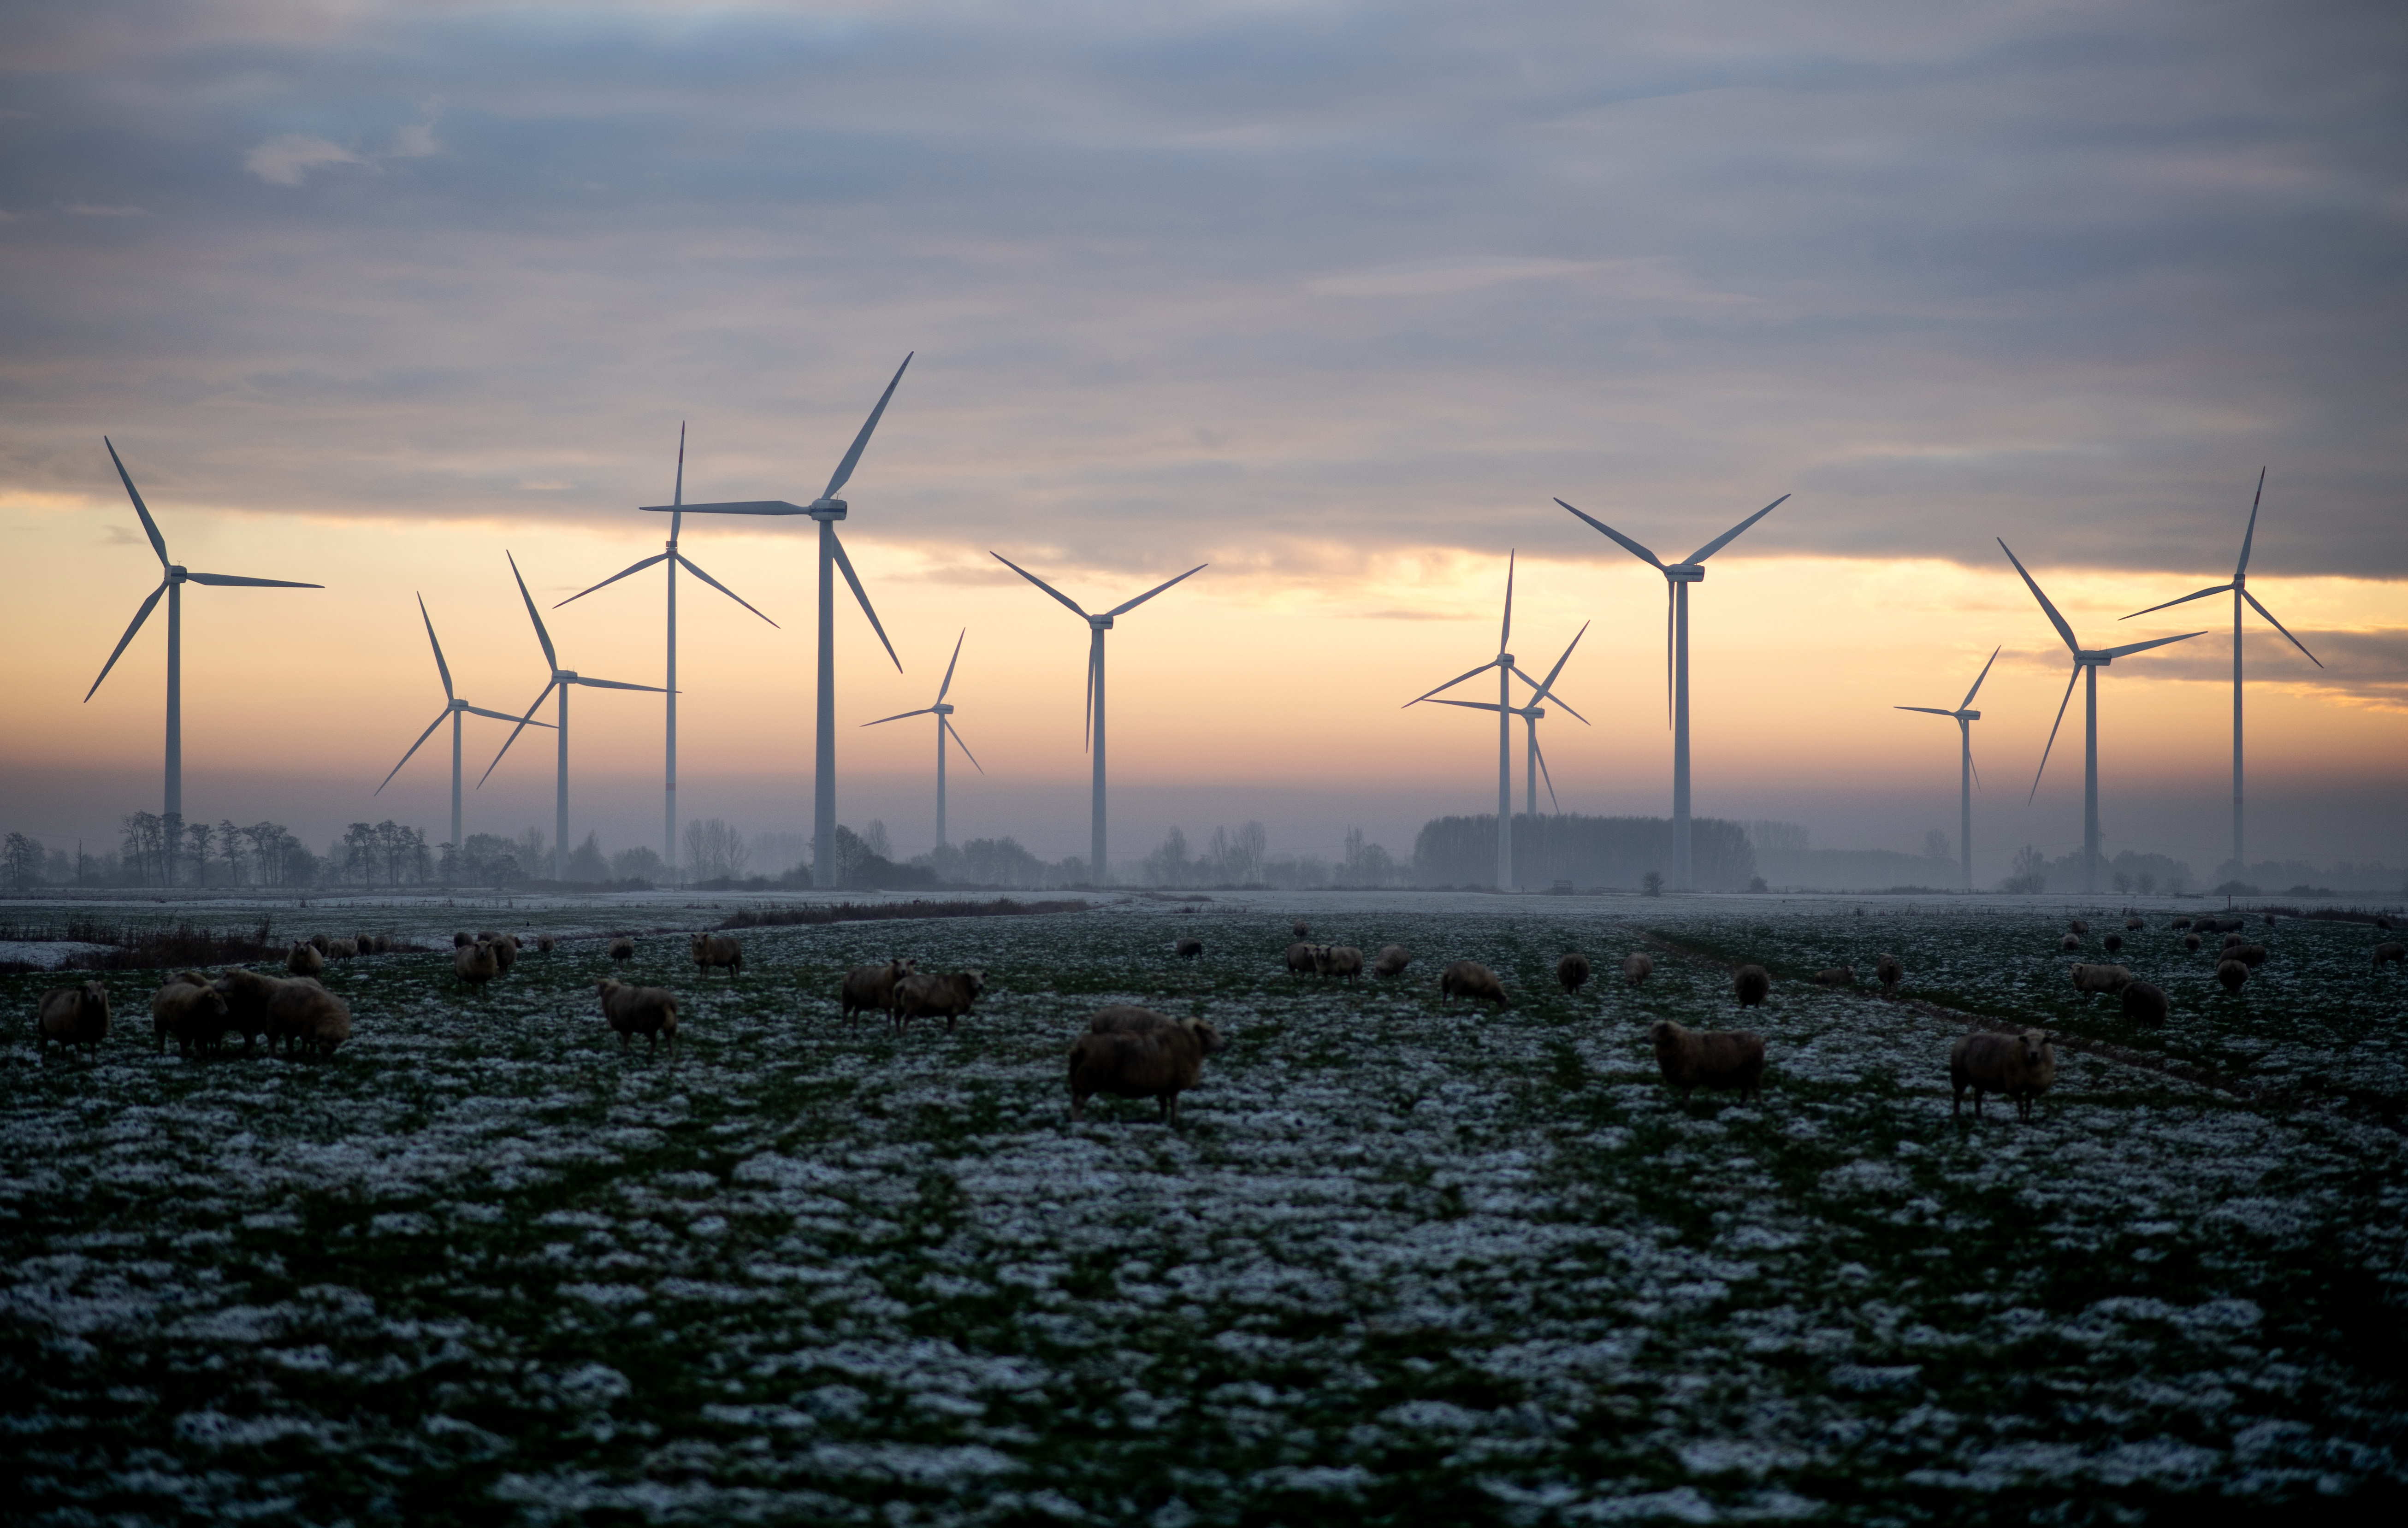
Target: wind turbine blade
x,y
541,697
924,710
1540,692
2219,588
2130,647
1505,635
688,564
540,634
844,565
414,749
639,567
1972,765
233,581
1562,661
677,498
853,457
139,617
2052,733
1929,710
947,722
1467,705
1127,605
1087,707
1040,583
150,526
1543,772
440,666
504,716
2054,620
1724,539
1633,548
619,684
1978,678
2251,535
957,658
1450,684
2280,627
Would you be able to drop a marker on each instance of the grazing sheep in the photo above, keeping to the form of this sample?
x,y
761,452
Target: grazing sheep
x,y
1303,929
1637,968
73,1016
1572,972
1469,978
2020,1065
946,997
1303,959
190,1012
247,995
868,986
341,949
544,943
1720,1059
305,960
1137,1059
630,1011
463,939
2145,1003
1338,960
2114,943
1838,976
2390,950
2270,920
2384,923
2231,974
2252,956
623,950
476,965
2069,944
506,954
1188,950
2077,926
2179,923
2190,941
309,1019
1391,961
319,942
2101,978
715,949
1751,985
1889,972
2132,923
366,944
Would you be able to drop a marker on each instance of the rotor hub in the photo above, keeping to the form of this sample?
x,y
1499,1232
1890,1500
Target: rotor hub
x,y
176,573
2096,660
1686,572
567,675
943,708
826,509
1968,716
1101,623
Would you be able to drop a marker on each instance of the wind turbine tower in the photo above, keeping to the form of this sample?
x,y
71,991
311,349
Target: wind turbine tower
x,y
173,576
1096,627
1964,717
674,558
2240,590
826,509
943,712
453,707
1678,577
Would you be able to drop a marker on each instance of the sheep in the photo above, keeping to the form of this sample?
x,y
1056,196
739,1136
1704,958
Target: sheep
x,y
1134,1059
247,995
2390,950
2022,1065
1720,1059
939,996
506,954
463,939
190,1012
2231,974
1637,968
319,942
2145,1003
1188,950
1751,984
1126,1019
2132,923
2179,923
2069,944
476,965
305,960
1838,976
1469,978
623,950
2114,943
73,1016
308,1018
1391,961
1572,972
544,943
2101,978
1302,958
1303,929
867,987
1889,972
488,935
713,949
2252,956
1338,960
2383,924
2077,926
364,944
2231,939
2190,941
2270,920
342,950
630,1011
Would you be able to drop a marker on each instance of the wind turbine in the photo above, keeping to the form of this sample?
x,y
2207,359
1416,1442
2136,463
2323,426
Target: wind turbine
x,y
171,583
1532,711
827,509
2240,588
1963,718
1506,671
455,707
1092,711
944,715
2087,662
562,679
1678,577
675,559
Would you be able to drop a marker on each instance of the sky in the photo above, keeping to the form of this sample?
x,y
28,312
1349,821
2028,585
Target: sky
x,y
1335,298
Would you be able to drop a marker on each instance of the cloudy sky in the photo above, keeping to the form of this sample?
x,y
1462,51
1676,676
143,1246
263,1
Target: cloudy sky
x,y
1336,297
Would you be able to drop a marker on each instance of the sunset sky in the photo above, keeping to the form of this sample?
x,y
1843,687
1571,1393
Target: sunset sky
x,y
1336,298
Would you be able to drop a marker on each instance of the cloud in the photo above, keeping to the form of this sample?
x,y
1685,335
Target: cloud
x,y
288,158
87,209
1445,278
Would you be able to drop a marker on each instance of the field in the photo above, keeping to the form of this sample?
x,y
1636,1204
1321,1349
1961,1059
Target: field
x,y
1398,1262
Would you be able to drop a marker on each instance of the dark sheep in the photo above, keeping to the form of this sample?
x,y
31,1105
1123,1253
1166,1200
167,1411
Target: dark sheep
x,y
623,950
2179,923
630,1011
1838,976
1571,971
72,1017
1131,1059
1189,950
2077,926
188,1011
1719,1059
1301,928
1637,968
946,997
1303,959
711,950
2069,944
2132,923
1471,979
1889,972
2231,974
2145,1003
544,943
2391,951
2252,956
1752,985
2114,943
1391,961
2190,941
463,939
1338,960
867,987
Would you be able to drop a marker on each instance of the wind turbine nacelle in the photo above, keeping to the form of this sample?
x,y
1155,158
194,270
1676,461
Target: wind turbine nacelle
x,y
943,708
2096,660
567,675
176,573
1968,716
826,509
1101,623
1685,572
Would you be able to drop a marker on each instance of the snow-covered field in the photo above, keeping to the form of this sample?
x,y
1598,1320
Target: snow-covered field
x,y
1399,1263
